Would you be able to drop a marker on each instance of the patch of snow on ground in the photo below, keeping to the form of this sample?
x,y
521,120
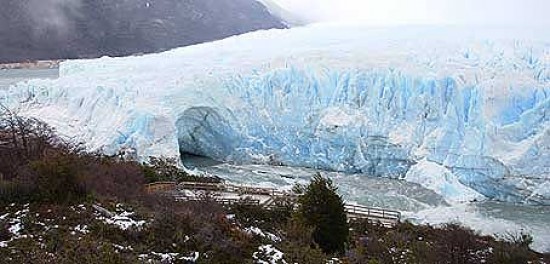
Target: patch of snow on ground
x,y
15,224
170,257
192,257
268,254
122,219
124,222
257,231
123,248
82,229
15,228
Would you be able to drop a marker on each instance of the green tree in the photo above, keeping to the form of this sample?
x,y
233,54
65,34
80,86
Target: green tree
x,y
323,210
298,245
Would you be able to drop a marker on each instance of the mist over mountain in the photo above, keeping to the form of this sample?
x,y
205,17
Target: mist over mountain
x,y
61,29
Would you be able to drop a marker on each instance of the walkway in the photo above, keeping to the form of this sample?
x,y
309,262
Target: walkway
x,y
270,198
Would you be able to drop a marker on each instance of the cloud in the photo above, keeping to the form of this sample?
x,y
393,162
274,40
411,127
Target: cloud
x,y
52,16
459,12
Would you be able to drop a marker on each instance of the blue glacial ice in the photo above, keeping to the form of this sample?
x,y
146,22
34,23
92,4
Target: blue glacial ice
x,y
462,111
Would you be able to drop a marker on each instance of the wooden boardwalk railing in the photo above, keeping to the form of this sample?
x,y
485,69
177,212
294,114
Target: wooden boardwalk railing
x,y
240,189
156,187
273,198
384,216
222,201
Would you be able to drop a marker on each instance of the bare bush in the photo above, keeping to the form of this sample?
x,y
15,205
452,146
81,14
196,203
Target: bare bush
x,y
22,140
38,165
111,178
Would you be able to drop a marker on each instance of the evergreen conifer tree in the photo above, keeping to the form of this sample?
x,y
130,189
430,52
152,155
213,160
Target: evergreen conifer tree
x,y
322,208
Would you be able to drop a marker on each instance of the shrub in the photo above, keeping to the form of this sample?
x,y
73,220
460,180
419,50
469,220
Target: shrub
x,y
458,243
298,243
56,180
36,165
322,208
170,230
519,239
111,178
451,243
4,232
23,140
15,192
259,216
72,177
513,249
200,226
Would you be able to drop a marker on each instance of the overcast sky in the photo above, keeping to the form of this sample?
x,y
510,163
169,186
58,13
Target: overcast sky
x,y
383,12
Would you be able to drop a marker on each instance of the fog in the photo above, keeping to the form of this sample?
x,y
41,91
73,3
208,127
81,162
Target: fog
x,y
50,16
451,12
53,13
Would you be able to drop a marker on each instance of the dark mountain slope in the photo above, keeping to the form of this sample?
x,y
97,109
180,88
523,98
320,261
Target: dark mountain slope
x,y
52,29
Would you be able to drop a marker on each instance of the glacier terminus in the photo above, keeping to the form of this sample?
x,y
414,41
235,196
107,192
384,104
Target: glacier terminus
x,y
462,111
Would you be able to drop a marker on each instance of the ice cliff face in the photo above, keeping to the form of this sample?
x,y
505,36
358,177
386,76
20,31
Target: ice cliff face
x,y
469,107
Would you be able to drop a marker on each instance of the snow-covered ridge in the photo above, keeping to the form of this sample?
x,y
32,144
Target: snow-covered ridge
x,y
472,103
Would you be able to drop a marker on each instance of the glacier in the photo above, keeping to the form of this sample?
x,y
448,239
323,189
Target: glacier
x,y
463,111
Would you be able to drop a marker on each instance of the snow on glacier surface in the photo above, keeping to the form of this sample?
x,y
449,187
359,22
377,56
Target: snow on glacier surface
x,y
469,105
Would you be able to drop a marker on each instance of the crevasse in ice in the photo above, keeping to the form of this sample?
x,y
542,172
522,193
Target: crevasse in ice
x,y
469,107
